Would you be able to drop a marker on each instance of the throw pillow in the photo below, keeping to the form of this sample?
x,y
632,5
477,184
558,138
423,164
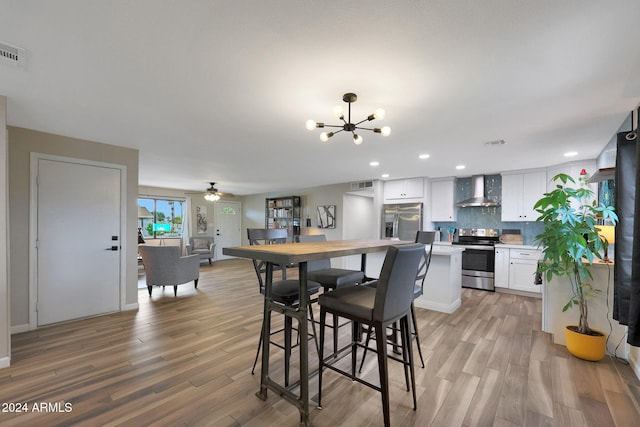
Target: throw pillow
x,y
200,244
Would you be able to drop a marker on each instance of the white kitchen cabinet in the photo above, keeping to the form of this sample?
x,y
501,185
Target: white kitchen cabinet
x,y
411,188
573,169
443,200
501,278
523,264
520,191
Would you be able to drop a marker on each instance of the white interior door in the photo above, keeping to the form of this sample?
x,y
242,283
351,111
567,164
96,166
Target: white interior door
x,y
78,240
227,220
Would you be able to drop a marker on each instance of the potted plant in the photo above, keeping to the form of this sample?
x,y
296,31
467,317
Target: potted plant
x,y
570,243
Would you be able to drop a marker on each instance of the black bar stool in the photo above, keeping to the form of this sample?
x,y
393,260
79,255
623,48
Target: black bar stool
x,y
377,307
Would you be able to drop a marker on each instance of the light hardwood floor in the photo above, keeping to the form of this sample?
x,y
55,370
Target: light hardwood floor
x,y
186,361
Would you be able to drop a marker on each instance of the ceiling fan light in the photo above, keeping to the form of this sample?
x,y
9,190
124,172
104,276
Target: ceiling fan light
x,y
357,139
311,124
386,131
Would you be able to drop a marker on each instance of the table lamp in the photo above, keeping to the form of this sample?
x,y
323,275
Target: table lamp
x,y
607,232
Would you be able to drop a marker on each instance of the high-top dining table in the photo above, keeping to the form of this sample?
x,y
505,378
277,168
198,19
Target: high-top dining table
x,y
298,253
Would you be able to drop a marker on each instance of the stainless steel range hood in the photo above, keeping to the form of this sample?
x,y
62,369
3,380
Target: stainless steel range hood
x,y
478,199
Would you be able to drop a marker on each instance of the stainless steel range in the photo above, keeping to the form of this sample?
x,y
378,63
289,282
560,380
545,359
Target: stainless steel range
x,y
478,258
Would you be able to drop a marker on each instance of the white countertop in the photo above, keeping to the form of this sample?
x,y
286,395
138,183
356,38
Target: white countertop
x,y
445,248
516,246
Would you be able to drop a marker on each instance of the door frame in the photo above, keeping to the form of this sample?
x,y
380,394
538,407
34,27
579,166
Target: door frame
x,y
33,226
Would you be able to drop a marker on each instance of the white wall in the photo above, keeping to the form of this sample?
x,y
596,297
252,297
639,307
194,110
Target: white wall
x,y
253,209
21,143
5,319
558,292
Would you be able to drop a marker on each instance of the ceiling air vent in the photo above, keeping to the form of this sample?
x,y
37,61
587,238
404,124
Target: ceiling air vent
x,y
11,55
362,185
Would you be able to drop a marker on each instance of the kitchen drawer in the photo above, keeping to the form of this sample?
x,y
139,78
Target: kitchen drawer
x,y
525,254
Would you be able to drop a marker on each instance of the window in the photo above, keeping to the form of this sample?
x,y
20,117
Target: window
x,y
160,218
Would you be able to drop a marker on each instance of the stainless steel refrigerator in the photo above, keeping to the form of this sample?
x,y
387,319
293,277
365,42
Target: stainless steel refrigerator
x,y
401,221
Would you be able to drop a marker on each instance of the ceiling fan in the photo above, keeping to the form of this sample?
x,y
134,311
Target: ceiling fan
x,y
212,194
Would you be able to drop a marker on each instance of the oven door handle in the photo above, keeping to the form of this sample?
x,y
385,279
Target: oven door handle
x,y
477,247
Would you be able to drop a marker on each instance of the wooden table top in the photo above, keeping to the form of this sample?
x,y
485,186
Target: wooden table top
x,y
288,253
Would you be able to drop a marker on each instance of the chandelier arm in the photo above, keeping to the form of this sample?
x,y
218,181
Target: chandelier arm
x,y
334,126
359,127
361,121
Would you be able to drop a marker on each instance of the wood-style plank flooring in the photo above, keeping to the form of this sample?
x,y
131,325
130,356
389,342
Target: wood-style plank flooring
x,y
186,361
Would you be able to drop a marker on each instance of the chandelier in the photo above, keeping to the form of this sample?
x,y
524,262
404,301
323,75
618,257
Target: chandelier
x,y
347,126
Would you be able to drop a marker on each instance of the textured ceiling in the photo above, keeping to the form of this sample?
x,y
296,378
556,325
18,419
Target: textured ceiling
x,y
220,90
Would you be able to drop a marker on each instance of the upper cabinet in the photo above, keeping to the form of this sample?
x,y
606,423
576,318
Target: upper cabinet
x,y
412,188
573,169
520,191
442,202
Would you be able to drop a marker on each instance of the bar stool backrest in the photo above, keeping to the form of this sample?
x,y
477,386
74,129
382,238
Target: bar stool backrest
x,y
321,264
394,291
265,236
427,238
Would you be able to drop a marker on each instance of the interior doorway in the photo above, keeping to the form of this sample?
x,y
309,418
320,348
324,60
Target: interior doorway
x,y
360,221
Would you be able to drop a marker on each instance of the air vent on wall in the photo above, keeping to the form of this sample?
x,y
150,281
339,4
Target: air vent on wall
x,y
11,55
362,185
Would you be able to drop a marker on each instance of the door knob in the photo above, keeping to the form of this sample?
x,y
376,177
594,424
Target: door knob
x,y
112,248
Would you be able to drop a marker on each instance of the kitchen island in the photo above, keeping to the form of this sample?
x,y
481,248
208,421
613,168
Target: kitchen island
x,y
443,284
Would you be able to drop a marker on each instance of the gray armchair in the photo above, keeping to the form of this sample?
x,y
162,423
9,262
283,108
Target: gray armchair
x,y
164,266
201,246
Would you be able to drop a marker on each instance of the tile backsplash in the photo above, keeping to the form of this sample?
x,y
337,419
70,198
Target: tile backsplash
x,y
481,217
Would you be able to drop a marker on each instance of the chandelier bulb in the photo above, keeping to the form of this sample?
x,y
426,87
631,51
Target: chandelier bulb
x,y
311,124
379,114
339,112
357,139
386,131
324,136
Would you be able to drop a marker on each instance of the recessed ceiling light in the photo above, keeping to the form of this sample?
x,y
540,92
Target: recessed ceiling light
x,y
374,164
424,156
385,175
570,153
460,167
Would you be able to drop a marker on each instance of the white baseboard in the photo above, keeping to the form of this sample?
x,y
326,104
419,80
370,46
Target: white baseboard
x,y
129,307
5,362
634,363
443,308
17,329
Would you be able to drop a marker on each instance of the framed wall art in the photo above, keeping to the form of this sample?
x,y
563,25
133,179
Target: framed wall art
x,y
326,216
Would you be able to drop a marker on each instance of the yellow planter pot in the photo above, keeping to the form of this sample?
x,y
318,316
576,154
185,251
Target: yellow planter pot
x,y
587,347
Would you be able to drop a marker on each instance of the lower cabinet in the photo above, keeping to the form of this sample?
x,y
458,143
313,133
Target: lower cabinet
x,y
515,269
501,278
